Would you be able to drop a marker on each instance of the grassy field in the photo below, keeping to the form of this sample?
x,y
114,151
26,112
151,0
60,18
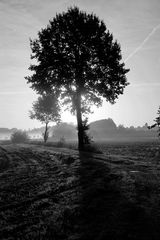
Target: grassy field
x,y
58,193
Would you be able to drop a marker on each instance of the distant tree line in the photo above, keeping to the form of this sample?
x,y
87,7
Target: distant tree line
x,y
97,130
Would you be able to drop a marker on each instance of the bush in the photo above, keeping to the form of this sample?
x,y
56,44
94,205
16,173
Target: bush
x,y
19,137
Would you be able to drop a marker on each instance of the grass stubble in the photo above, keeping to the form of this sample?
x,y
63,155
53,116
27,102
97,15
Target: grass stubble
x,y
59,193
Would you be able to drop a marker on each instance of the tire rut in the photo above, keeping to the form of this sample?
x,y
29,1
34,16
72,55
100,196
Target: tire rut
x,y
32,182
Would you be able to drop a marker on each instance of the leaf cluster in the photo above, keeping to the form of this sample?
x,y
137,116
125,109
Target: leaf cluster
x,y
157,120
75,53
46,109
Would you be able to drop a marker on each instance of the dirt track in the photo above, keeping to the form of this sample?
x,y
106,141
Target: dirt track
x,y
45,194
32,183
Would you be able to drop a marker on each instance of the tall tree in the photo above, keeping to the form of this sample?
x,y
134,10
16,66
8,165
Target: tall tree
x,y
46,109
77,56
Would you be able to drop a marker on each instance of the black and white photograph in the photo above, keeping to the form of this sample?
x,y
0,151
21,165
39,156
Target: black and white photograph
x,y
79,120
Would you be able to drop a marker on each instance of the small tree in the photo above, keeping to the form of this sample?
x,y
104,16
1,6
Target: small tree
x,y
157,124
77,56
46,109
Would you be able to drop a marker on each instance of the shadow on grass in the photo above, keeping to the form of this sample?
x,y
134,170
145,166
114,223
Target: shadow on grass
x,y
106,213
80,197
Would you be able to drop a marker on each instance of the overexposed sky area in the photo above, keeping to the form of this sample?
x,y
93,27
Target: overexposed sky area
x,y
136,26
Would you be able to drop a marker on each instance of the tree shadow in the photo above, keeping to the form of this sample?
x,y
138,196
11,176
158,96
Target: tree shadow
x,y
105,211
79,197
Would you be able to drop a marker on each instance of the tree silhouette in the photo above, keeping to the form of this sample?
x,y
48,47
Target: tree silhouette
x,y
76,56
157,120
157,124
46,109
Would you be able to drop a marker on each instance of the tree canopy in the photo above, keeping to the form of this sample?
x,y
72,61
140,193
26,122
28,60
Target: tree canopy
x,y
46,109
77,57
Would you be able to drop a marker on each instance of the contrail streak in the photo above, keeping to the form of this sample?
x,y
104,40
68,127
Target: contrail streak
x,y
142,44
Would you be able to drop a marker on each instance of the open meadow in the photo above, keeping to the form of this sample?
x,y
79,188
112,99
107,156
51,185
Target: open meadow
x,y
59,193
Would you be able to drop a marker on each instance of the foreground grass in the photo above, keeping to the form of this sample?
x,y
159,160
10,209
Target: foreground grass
x,y
51,193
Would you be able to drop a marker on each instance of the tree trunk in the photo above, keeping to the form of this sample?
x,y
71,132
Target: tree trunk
x,y
79,123
46,133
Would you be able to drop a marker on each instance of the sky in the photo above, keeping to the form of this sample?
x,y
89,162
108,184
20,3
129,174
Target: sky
x,y
135,25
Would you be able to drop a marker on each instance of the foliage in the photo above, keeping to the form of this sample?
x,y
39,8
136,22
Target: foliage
x,y
87,138
157,120
77,58
19,137
157,124
46,109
